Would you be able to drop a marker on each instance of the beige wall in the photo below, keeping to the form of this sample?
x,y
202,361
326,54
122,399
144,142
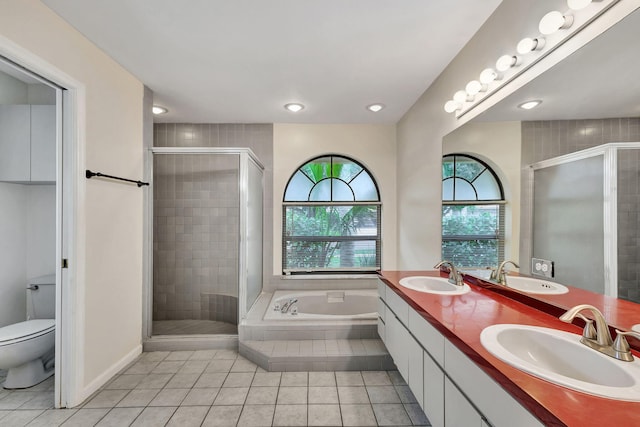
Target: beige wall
x,y
108,265
499,145
372,145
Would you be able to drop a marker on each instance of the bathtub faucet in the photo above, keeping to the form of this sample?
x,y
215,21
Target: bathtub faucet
x,y
287,305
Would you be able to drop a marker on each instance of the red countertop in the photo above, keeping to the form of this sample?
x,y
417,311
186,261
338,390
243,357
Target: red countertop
x,y
462,318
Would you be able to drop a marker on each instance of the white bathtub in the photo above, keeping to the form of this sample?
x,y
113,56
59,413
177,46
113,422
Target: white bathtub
x,y
327,305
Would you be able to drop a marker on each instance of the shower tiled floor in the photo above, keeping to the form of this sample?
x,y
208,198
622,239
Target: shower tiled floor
x,y
191,327
221,388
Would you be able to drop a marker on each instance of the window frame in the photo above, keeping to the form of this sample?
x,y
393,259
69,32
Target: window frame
x,y
500,235
377,238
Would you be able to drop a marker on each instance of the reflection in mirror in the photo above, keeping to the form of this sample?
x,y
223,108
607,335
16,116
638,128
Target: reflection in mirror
x,y
588,99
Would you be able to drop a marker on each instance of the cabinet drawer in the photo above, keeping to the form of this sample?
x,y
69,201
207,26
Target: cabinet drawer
x,y
427,336
398,306
490,398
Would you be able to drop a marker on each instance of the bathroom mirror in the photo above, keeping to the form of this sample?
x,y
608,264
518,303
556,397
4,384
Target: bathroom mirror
x,y
590,98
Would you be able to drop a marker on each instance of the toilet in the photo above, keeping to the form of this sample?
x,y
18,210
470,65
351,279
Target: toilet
x,y
27,349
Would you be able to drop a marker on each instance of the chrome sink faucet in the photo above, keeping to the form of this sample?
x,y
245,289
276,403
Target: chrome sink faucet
x,y
454,274
602,341
499,275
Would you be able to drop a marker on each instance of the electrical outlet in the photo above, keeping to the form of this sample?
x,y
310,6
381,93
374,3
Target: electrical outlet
x,y
541,267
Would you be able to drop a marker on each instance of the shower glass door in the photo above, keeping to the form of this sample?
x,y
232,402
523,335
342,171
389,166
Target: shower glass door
x,y
196,223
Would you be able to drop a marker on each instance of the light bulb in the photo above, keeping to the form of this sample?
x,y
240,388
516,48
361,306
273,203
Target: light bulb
x,y
505,62
528,44
554,21
474,87
375,107
451,106
460,96
488,75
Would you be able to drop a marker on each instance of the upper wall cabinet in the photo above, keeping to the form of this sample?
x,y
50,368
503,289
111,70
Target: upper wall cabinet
x,y
28,143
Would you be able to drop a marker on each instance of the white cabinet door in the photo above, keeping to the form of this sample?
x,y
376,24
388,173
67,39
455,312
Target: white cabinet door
x,y
457,409
433,399
397,339
43,143
416,373
14,143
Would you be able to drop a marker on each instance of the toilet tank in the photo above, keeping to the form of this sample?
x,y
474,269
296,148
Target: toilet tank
x,y
41,302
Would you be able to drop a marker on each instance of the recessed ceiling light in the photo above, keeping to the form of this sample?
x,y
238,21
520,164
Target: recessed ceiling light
x,y
294,107
375,107
529,104
159,110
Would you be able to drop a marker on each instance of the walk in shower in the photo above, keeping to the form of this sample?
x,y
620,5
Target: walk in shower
x,y
207,239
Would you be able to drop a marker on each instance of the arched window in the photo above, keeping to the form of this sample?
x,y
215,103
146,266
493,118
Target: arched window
x,y
472,212
331,218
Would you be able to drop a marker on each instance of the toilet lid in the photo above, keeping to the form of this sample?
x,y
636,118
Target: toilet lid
x,y
26,330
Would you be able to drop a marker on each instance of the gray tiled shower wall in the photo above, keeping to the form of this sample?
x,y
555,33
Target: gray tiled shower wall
x,y
196,219
543,140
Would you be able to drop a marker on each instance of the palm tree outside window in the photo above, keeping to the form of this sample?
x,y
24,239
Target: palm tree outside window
x,y
473,210
331,218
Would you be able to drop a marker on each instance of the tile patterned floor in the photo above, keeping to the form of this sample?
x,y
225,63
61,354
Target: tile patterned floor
x,y
220,388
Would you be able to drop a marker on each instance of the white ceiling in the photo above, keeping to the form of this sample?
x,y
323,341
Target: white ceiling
x,y
240,61
601,80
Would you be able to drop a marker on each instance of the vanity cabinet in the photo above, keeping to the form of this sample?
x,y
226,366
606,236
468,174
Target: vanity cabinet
x,y
27,143
449,387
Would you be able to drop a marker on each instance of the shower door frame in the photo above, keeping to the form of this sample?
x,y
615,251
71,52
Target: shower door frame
x,y
609,152
246,155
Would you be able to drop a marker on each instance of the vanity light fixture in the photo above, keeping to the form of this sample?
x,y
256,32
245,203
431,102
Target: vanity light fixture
x,y
488,75
375,107
554,21
294,107
474,87
505,62
526,49
578,4
158,110
529,44
530,104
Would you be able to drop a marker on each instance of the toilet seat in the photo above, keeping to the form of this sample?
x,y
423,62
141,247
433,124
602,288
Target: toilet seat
x,y
27,330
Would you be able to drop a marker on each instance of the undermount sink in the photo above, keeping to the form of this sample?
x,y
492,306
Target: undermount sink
x,y
433,285
559,357
532,285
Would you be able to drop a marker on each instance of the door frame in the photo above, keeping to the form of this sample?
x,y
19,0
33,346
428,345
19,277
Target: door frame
x,y
70,155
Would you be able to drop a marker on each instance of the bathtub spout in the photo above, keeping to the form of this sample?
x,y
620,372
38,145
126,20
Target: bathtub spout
x,y
287,305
